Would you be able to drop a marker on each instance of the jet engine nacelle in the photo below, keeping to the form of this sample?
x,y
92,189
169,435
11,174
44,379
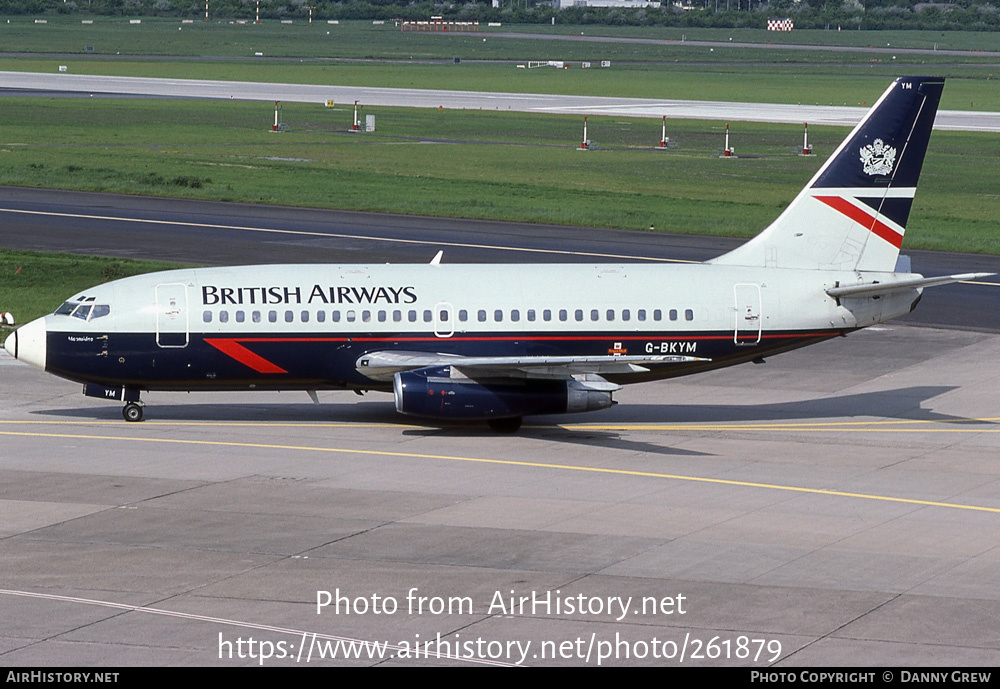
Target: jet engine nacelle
x,y
433,393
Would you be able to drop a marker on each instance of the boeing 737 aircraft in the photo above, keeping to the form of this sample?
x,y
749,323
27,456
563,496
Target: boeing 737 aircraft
x,y
495,343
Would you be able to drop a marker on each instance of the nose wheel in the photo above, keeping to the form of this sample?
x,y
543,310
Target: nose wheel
x,y
132,411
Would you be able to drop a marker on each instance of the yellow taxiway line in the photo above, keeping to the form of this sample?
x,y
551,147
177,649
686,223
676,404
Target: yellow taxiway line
x,y
517,463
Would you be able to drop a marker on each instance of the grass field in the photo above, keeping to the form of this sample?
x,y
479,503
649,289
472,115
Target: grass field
x,y
361,39
473,164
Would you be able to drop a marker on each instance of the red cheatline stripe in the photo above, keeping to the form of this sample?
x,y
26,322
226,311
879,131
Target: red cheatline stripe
x,y
244,356
862,218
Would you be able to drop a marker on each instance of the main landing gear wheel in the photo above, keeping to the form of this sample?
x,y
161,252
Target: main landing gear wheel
x,y
132,412
510,425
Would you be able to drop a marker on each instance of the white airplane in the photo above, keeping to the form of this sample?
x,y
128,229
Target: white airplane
x,y
497,342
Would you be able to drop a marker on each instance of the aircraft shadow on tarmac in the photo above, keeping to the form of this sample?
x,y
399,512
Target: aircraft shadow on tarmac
x,y
899,404
904,404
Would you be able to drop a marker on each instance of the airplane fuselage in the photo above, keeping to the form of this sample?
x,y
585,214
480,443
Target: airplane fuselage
x,y
306,326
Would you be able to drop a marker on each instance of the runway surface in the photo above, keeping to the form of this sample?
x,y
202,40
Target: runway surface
x,y
836,506
475,100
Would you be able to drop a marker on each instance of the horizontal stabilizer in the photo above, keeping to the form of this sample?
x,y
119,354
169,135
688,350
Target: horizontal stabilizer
x,y
874,289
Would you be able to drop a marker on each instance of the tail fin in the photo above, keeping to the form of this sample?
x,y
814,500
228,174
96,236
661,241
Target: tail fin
x,y
852,214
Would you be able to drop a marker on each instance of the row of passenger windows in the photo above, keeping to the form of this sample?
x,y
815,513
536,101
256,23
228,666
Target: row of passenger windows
x,y
445,315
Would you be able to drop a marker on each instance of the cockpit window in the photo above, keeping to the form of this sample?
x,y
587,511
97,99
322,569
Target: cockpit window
x,y
85,312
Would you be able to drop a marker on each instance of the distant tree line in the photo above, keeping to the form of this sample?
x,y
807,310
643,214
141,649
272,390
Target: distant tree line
x,y
968,15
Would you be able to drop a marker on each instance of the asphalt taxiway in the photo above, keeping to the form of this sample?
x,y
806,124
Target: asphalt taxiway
x,y
837,505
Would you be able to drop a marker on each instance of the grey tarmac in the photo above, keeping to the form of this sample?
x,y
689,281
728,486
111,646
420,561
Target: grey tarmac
x,y
839,503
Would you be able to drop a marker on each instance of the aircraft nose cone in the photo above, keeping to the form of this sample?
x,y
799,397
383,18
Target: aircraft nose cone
x,y
27,343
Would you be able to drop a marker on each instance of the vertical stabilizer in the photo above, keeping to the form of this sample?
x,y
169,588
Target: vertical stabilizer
x,y
852,214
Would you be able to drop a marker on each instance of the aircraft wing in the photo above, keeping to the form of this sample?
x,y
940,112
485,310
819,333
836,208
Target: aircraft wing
x,y
874,289
383,365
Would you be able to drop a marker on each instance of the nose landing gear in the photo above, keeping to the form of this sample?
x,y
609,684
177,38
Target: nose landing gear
x,y
132,411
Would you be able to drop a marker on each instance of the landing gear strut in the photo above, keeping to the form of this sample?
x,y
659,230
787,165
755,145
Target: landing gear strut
x,y
132,411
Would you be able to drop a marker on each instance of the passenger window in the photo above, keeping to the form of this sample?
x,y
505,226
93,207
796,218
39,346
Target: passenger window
x,y
578,314
366,316
626,314
481,315
412,316
304,316
463,315
289,316
397,316
255,317
351,316
657,315
205,316
563,315
688,315
515,315
594,314
272,316
547,315
673,314
335,316
321,316
381,316
428,316
223,316
240,316
498,315
641,314
531,314
443,315
611,314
